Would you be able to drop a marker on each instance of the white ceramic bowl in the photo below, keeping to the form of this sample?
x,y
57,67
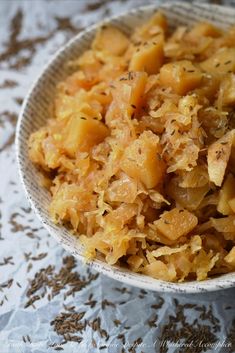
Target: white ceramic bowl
x,y
34,114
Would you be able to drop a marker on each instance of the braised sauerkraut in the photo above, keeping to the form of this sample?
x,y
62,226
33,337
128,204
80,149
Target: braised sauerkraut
x,y
139,155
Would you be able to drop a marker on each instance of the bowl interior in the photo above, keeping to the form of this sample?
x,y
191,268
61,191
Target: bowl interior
x,y
36,110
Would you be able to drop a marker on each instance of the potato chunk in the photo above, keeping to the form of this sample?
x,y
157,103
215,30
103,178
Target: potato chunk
x,y
137,83
83,133
158,19
218,157
204,29
223,61
160,270
227,193
227,90
157,24
148,57
142,160
104,41
175,223
182,76
230,258
129,91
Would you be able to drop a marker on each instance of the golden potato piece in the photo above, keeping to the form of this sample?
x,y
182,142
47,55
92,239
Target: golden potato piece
x,y
83,133
148,57
157,24
158,19
227,89
137,82
230,258
204,29
160,270
223,61
218,157
110,39
226,193
128,93
175,223
134,261
142,160
182,76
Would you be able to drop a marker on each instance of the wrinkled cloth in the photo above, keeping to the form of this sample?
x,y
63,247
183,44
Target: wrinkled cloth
x,y
111,317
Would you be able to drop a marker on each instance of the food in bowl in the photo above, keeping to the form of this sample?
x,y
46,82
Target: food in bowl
x,y
138,153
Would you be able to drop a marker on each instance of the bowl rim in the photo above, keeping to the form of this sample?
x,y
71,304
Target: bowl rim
x,y
120,274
